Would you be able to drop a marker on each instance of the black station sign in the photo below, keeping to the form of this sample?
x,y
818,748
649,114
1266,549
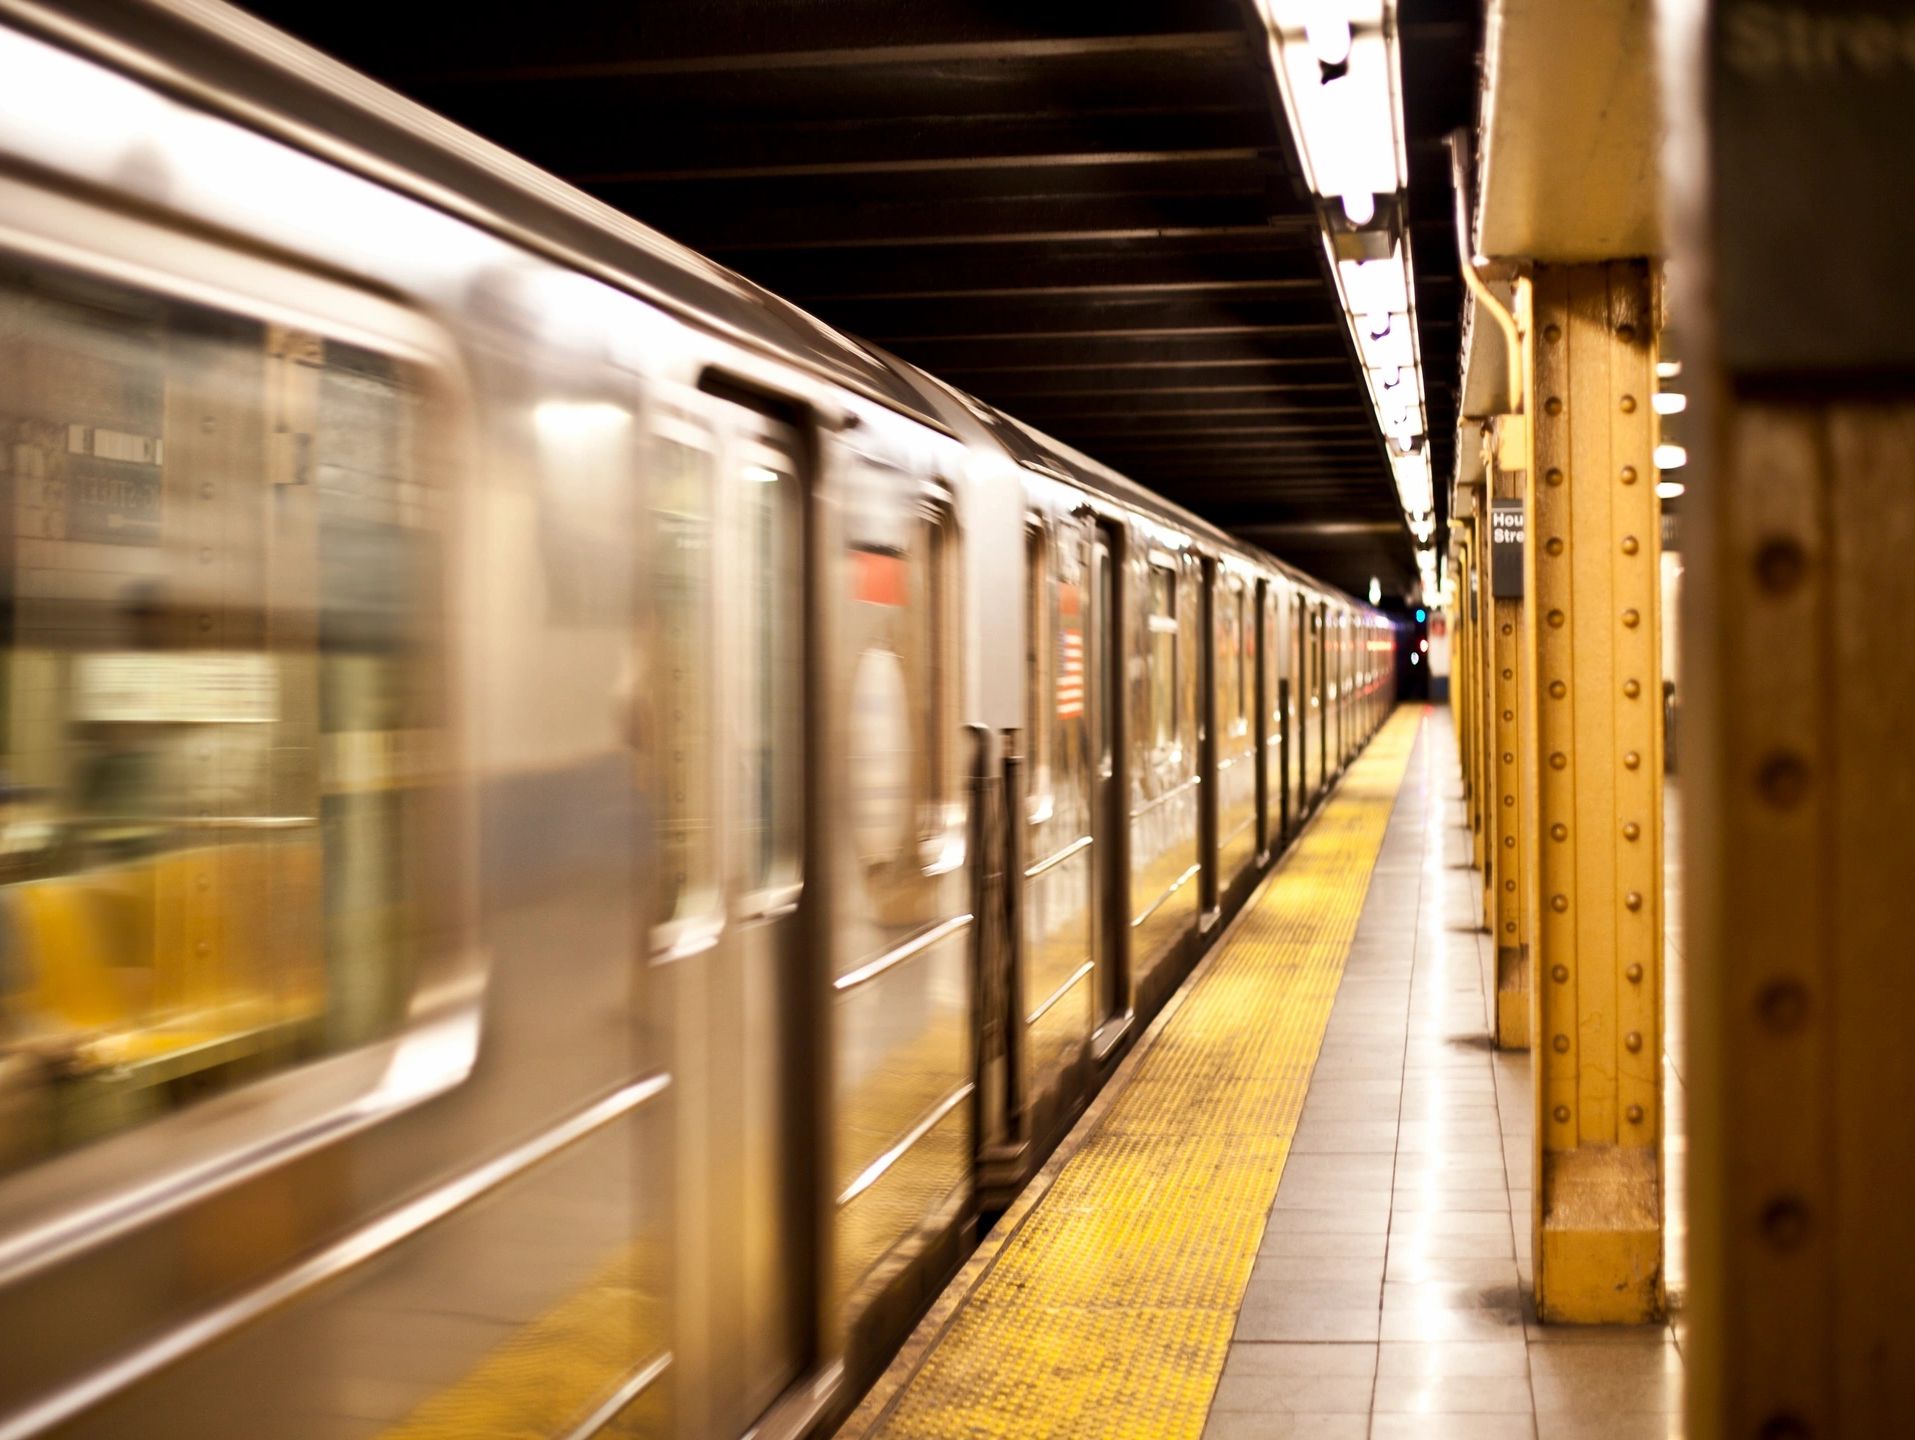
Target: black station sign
x,y
1814,107
1506,528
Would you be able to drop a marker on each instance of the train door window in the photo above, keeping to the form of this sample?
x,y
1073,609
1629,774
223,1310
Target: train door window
x,y
1070,687
1166,689
1107,634
770,707
1252,607
684,485
937,779
1038,667
222,701
1239,644
902,679
1225,664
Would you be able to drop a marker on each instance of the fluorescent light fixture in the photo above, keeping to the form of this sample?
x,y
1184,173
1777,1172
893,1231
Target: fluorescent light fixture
x,y
1375,287
1345,112
1338,69
1671,457
1670,402
1669,489
1388,351
1668,369
1329,35
1413,488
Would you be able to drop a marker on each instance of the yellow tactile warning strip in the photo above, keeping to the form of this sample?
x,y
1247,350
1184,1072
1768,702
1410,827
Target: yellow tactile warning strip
x,y
1108,1311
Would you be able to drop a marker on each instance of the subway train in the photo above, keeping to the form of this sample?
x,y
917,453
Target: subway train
x,y
568,830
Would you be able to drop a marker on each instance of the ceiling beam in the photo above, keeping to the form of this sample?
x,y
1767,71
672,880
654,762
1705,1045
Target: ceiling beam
x,y
943,55
992,222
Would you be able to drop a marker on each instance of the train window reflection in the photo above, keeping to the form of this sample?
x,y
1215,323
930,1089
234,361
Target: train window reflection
x,y
221,717
682,488
936,780
1233,658
1037,671
1165,687
770,677
1247,650
902,688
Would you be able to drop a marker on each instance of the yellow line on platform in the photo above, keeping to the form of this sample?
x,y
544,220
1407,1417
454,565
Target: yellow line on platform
x,y
1109,1310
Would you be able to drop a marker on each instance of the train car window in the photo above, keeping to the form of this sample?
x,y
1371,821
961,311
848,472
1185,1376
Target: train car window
x,y
1165,686
1071,686
1239,644
936,646
1039,624
1247,657
683,489
222,701
770,708
902,683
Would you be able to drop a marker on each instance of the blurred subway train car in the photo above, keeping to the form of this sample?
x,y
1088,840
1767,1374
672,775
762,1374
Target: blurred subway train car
x,y
567,829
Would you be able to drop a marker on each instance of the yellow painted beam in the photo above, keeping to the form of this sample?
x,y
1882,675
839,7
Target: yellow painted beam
x,y
1472,739
1459,653
1460,642
1509,477
1595,874
1485,727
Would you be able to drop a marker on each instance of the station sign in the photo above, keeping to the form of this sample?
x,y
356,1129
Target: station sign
x,y
1506,533
1813,103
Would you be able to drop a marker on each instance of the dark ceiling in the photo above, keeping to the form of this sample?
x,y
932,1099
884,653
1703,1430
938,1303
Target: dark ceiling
x,y
1084,213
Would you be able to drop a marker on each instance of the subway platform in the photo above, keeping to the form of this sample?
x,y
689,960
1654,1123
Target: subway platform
x,y
1303,1207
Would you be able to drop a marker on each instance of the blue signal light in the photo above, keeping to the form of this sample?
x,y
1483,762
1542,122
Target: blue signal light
x,y
1421,615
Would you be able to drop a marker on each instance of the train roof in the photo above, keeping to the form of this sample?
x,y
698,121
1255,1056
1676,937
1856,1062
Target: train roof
x,y
1047,455
222,59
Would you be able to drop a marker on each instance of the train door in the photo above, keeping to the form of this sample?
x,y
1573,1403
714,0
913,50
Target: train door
x,y
895,812
1208,719
1353,650
767,714
1320,691
1302,697
1284,647
728,512
1341,665
1110,810
1260,707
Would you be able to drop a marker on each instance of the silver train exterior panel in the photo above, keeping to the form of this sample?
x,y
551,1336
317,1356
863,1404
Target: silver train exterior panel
x,y
566,828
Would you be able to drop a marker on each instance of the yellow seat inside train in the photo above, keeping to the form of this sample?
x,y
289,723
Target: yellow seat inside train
x,y
158,957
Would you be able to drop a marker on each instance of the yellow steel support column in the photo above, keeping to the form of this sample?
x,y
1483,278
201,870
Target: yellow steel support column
x,y
1508,477
1460,644
1799,778
1485,732
1798,787
1474,740
1595,838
